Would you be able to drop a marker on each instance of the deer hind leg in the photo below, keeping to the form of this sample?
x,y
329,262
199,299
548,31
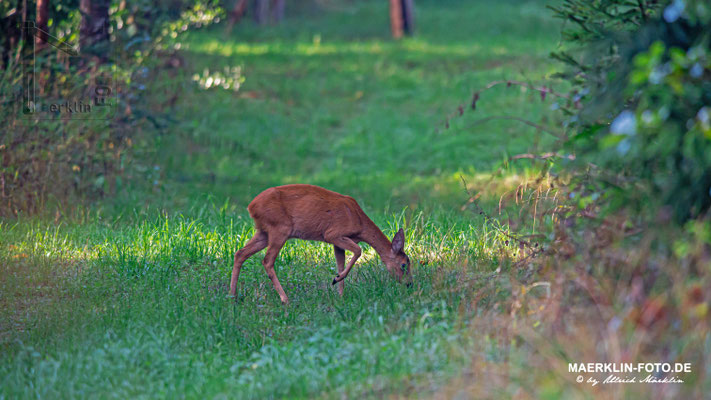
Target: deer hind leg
x,y
346,244
340,263
255,244
276,242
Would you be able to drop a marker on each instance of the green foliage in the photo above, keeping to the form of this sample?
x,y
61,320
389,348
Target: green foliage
x,y
592,25
645,118
54,160
63,158
594,19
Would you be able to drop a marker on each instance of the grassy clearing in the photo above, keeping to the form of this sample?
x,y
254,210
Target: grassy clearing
x,y
332,101
128,298
144,311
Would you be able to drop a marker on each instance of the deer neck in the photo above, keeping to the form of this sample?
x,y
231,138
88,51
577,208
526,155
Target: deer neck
x,y
376,239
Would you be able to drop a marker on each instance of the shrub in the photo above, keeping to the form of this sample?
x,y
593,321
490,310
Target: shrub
x,y
645,121
72,159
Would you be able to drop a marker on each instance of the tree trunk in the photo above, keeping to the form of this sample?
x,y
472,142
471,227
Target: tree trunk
x,y
278,7
396,22
42,19
94,27
408,16
260,11
237,13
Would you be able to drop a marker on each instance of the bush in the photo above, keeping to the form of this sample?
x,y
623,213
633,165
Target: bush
x,y
59,159
72,159
645,121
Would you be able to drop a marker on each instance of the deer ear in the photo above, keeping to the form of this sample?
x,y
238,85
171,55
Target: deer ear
x,y
399,241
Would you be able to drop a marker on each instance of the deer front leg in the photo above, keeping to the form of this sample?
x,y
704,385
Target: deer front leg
x,y
350,245
275,245
340,264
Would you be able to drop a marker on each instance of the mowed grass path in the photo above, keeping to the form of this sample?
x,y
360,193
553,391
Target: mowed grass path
x,y
131,302
330,99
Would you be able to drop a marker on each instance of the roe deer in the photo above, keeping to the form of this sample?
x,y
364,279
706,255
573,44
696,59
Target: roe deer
x,y
314,213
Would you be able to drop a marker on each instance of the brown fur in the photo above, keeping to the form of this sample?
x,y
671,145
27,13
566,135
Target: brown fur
x,y
314,213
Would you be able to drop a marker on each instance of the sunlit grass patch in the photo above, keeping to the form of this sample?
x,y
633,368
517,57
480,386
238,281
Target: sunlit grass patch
x,y
360,113
151,296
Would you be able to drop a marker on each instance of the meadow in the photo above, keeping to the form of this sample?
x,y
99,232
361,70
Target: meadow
x,y
126,298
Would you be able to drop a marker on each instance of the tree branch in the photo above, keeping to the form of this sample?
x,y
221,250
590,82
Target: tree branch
x,y
642,10
524,121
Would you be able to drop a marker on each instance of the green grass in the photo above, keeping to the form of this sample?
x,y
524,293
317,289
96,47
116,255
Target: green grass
x,y
127,299
126,309
333,101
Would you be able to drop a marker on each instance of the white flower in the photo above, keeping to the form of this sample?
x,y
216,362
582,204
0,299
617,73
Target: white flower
x,y
624,124
624,146
703,116
696,71
673,11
